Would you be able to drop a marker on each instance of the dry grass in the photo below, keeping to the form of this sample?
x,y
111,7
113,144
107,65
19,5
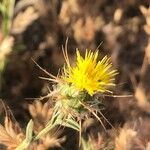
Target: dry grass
x,y
37,29
11,134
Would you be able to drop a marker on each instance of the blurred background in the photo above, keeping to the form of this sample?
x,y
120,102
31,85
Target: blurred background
x,y
37,29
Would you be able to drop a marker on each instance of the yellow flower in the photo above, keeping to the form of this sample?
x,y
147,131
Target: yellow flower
x,y
89,74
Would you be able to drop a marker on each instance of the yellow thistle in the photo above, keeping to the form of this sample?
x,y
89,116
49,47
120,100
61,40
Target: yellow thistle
x,y
72,102
89,74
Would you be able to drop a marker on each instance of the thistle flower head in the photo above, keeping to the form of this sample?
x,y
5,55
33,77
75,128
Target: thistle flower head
x,y
75,88
89,74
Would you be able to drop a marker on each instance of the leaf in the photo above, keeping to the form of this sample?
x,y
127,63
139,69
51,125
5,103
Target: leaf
x,y
71,124
44,131
58,119
28,139
51,124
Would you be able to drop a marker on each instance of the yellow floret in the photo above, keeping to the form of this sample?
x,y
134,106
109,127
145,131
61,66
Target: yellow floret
x,y
89,74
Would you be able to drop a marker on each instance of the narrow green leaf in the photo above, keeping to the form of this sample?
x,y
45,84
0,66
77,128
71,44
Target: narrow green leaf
x,y
44,131
28,139
51,124
58,119
71,124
